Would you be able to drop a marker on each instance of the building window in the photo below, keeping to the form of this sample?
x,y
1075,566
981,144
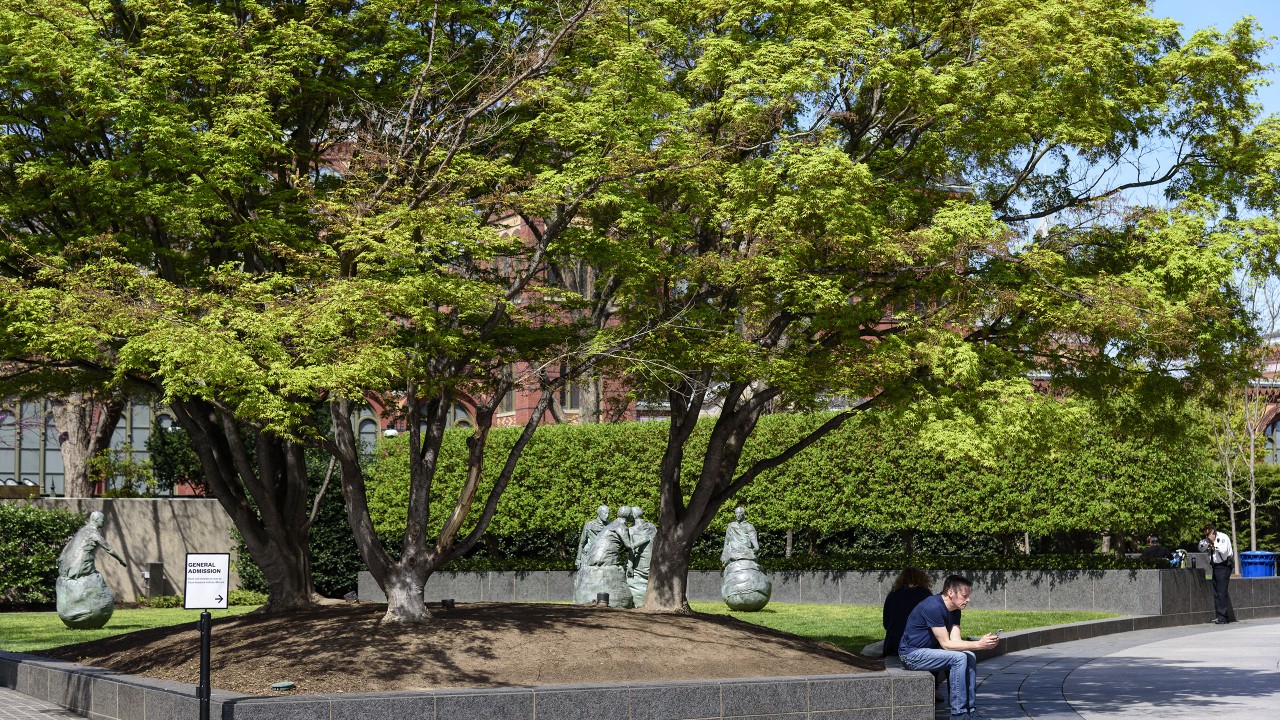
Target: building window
x,y
54,474
30,432
31,447
139,430
460,418
571,397
1272,455
508,404
8,447
129,439
368,435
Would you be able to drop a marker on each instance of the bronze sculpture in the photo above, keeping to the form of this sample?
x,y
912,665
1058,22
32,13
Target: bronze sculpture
x,y
84,600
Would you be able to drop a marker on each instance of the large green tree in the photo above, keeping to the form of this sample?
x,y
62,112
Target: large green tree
x,y
148,149
901,199
272,211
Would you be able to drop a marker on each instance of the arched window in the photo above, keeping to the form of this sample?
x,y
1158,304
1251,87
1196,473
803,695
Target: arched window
x,y
459,417
368,435
1272,451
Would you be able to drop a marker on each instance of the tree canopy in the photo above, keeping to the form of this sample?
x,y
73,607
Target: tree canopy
x,y
270,211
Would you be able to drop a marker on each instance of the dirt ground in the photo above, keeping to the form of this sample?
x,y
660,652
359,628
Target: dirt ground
x,y
347,648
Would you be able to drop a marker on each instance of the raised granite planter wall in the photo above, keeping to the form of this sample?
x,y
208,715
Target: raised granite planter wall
x,y
103,694
106,695
1124,592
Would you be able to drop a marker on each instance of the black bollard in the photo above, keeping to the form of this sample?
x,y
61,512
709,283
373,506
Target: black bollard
x,y
203,689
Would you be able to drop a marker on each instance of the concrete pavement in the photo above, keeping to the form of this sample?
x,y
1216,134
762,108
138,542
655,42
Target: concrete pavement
x,y
1201,671
16,706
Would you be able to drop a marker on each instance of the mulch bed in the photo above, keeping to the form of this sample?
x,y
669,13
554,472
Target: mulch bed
x,y
347,648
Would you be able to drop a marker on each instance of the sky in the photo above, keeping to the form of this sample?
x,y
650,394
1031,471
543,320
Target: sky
x,y
1195,15
1222,14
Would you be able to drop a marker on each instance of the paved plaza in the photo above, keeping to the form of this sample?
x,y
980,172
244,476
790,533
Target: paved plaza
x,y
16,706
1201,671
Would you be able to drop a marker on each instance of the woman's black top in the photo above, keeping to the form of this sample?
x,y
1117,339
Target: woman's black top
x,y
897,607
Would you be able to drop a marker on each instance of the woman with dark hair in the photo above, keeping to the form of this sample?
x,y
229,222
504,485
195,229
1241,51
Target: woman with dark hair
x,y
911,587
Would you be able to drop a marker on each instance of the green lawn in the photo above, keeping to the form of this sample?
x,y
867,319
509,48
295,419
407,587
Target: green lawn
x,y
853,626
32,631
848,626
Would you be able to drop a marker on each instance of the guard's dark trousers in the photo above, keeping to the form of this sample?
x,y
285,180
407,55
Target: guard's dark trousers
x,y
1221,600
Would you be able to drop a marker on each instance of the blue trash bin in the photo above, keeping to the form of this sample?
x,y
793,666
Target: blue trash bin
x,y
1257,563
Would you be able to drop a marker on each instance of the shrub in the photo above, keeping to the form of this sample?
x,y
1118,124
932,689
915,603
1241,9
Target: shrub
x,y
894,472
235,597
30,540
246,597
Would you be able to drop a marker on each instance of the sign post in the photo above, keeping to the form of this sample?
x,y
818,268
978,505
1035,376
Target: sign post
x,y
206,587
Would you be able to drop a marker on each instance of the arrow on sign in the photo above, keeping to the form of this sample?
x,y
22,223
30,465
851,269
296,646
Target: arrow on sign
x,y
218,599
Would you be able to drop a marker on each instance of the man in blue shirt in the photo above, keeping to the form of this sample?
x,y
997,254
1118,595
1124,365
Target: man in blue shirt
x,y
931,641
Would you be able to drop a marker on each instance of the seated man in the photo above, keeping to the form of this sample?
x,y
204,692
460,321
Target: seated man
x,y
931,641
1155,551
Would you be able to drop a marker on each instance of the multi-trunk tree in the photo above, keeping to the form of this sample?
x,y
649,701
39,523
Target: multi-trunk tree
x,y
269,212
860,219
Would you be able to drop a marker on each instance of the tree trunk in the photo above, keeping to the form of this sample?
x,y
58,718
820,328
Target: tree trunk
x,y
908,538
1231,510
403,579
1253,514
790,539
264,491
668,575
1008,541
590,397
287,568
85,426
405,600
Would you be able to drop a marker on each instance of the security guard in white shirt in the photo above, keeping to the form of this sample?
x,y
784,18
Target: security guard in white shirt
x,y
1222,560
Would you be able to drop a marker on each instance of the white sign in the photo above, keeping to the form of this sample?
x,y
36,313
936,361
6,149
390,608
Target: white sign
x,y
208,575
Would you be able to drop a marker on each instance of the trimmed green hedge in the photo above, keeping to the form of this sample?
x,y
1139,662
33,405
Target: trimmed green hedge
x,y
1066,471
30,540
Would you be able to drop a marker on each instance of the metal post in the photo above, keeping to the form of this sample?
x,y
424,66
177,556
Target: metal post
x,y
203,690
